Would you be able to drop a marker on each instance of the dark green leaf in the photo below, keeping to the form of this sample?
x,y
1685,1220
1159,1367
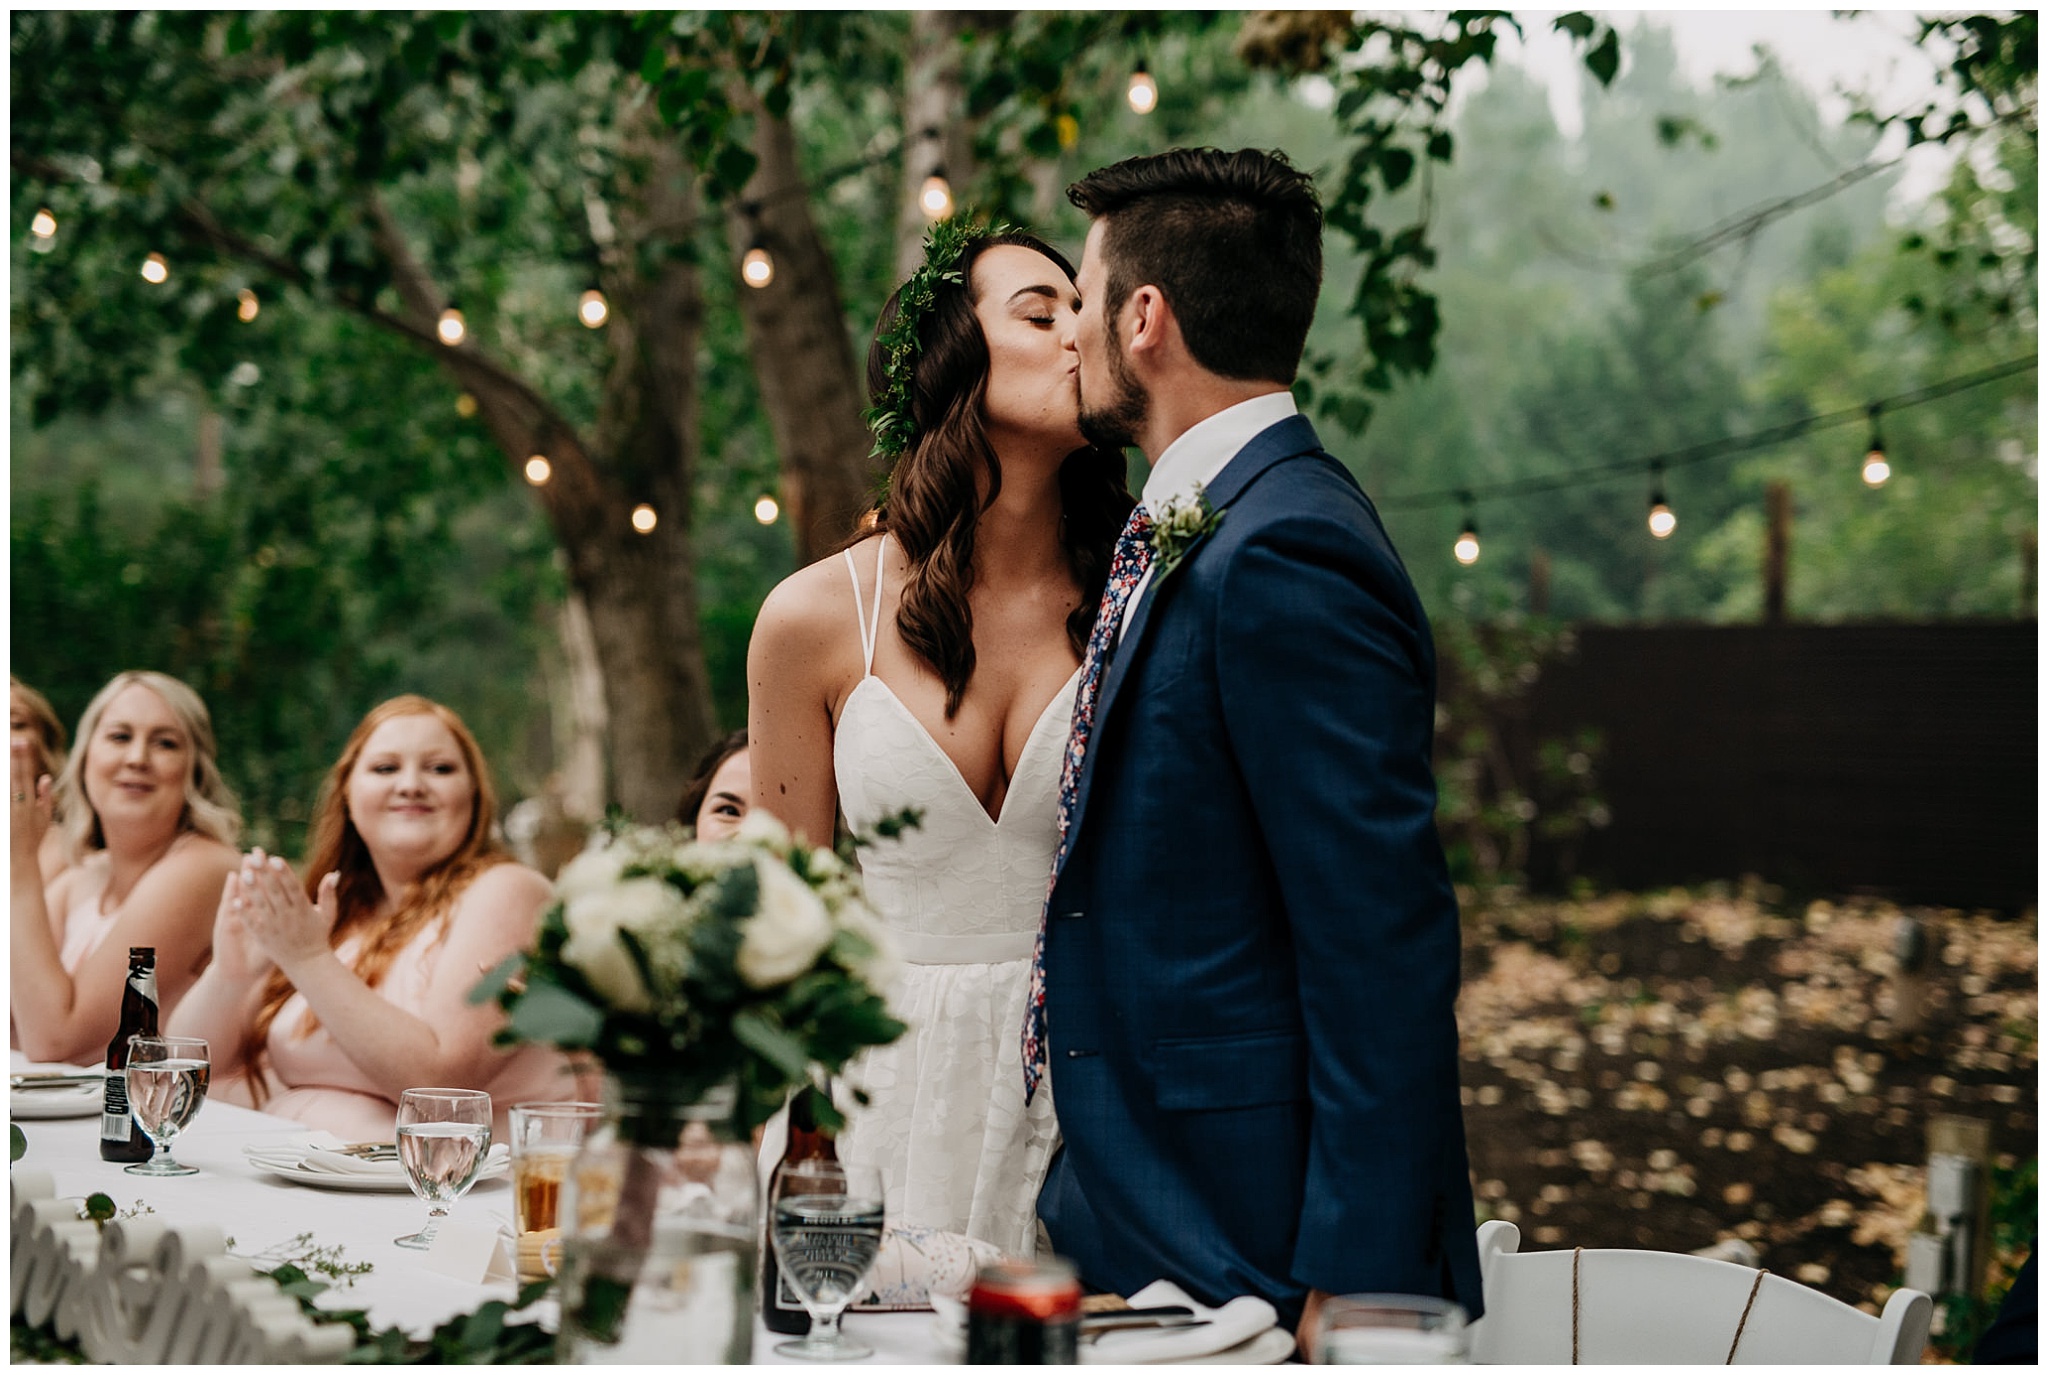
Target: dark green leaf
x,y
732,167
495,982
548,1014
1605,58
771,1043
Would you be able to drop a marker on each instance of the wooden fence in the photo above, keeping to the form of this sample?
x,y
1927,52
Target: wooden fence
x,y
1894,759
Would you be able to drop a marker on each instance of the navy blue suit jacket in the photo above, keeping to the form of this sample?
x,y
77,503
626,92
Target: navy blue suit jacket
x,y
1252,946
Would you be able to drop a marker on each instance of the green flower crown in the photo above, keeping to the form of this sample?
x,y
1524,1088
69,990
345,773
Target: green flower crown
x,y
889,417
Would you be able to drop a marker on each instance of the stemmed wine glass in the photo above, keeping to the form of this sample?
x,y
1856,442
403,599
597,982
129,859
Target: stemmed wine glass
x,y
826,1227
167,1080
442,1137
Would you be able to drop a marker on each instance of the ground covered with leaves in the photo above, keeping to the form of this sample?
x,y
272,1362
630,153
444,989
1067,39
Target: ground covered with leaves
x,y
1679,1069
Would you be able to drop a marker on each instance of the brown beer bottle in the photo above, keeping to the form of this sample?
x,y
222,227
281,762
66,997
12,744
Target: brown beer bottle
x,y
120,1138
781,1309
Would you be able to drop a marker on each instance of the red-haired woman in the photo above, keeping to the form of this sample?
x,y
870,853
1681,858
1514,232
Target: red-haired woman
x,y
327,999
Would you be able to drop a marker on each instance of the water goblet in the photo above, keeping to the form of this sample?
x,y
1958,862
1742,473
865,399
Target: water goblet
x,y
1390,1329
443,1135
825,1222
166,1078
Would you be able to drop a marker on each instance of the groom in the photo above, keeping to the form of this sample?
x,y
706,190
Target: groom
x,y
1250,950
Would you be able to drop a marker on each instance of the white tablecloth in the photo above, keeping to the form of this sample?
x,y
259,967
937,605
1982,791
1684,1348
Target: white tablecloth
x,y
260,1211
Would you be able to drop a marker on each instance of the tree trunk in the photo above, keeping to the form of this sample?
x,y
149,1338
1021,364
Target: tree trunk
x,y
935,132
579,717
639,589
1777,549
796,335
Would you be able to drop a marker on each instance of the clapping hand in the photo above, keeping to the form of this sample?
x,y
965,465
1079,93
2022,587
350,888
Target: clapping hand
x,y
273,911
29,814
234,954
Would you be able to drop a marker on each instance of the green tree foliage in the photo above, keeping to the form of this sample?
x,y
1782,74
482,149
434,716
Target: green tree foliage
x,y
1578,332
1953,532
350,553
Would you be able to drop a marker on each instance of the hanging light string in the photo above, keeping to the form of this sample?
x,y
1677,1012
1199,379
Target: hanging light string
x,y
1700,453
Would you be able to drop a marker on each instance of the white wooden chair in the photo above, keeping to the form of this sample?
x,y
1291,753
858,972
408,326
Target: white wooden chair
x,y
1665,1308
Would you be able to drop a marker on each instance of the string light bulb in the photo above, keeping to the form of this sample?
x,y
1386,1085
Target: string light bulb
x,y
1877,469
155,270
766,510
1466,550
44,225
451,327
539,470
592,309
935,198
644,519
1662,521
246,305
757,269
1144,91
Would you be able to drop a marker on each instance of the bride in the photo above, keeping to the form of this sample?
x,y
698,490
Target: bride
x,y
933,664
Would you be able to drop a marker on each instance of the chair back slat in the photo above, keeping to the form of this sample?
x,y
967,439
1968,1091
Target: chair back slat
x,y
1667,1308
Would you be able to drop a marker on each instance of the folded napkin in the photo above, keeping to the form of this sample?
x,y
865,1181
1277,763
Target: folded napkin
x,y
1232,1325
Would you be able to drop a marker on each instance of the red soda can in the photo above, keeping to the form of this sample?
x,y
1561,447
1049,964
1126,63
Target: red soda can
x,y
1023,1312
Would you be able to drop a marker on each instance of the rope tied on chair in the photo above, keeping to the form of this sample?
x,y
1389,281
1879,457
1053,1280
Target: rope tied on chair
x,y
1755,1286
1741,1324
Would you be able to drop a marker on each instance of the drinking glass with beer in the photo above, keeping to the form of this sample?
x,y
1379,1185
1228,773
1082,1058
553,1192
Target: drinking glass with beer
x,y
545,1140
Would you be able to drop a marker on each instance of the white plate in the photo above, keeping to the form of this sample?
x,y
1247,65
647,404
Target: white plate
x,y
73,1100
354,1183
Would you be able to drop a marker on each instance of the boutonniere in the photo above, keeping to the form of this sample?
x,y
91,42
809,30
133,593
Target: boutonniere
x,y
1180,523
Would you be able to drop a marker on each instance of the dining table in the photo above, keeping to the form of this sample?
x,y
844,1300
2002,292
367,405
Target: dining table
x,y
268,1218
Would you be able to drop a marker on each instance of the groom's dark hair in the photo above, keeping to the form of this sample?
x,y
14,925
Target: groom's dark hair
x,y
1233,240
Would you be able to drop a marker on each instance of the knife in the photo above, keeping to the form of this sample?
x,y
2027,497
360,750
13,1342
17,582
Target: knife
x,y
55,1080
1125,1319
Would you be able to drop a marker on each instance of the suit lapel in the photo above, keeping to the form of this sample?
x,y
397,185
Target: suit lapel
x,y
1294,435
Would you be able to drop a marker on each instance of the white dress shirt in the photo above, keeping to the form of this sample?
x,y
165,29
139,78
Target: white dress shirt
x,y
1202,451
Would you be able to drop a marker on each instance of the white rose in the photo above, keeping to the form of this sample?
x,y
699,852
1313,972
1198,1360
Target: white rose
x,y
596,870
879,969
788,931
641,905
761,827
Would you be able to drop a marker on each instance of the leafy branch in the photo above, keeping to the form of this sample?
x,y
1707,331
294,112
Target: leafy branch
x,y
1394,80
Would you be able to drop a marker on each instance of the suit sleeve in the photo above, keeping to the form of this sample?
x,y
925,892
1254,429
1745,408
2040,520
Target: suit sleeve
x,y
1328,702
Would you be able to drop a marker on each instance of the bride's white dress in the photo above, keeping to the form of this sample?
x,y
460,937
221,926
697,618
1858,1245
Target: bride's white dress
x,y
947,1125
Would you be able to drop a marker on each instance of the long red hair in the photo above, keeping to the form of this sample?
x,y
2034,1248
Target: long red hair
x,y
337,847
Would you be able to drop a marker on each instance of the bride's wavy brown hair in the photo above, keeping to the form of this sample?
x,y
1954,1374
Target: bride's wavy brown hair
x,y
336,846
935,501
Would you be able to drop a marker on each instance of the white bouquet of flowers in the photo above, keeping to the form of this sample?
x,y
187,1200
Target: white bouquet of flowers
x,y
752,961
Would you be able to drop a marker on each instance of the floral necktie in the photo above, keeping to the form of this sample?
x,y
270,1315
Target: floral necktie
x,y
1126,570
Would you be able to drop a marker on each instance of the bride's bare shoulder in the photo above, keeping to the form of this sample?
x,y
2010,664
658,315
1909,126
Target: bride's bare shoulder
x,y
812,609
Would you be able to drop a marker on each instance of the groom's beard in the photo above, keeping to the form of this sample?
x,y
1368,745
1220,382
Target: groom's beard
x,y
1115,422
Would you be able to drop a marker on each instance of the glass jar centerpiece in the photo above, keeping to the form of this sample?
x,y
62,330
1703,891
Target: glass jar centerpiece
x,y
709,978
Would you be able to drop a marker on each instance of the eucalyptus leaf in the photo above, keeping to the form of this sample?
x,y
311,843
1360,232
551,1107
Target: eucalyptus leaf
x,y
548,1014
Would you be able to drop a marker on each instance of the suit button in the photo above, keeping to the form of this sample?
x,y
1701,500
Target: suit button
x,y
1074,915
1081,1054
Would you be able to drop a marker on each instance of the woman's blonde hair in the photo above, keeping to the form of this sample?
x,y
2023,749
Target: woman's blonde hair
x,y
49,731
210,806
335,846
